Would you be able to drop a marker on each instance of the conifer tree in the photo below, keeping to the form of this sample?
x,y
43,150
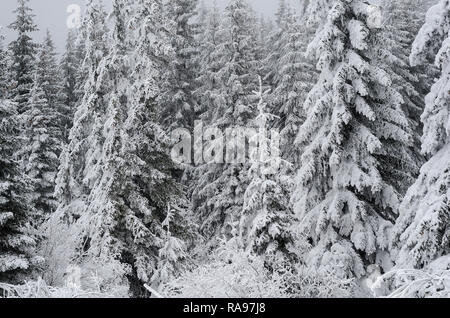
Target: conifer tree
x,y
47,70
69,69
78,168
17,244
402,24
208,40
82,72
238,65
123,217
3,66
177,102
291,75
24,51
315,12
264,28
50,81
267,219
355,122
421,234
41,152
218,194
171,254
281,12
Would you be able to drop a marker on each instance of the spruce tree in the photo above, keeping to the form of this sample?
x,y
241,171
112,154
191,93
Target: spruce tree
x,y
344,199
421,234
50,81
78,168
172,253
24,53
41,152
239,65
121,217
219,190
291,75
177,102
3,66
17,244
208,40
315,12
267,219
82,71
281,12
263,29
402,24
69,69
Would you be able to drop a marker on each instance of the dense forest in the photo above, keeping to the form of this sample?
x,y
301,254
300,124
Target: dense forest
x,y
114,178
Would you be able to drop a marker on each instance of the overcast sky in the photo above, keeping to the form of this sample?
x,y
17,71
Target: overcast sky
x,y
52,14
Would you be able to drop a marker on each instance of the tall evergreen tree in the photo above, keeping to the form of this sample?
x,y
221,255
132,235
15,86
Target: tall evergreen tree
x,y
177,102
291,75
50,81
122,218
17,244
3,66
41,152
344,199
24,51
69,69
402,24
239,65
315,12
136,156
77,170
208,40
271,60
83,71
47,70
267,219
263,29
281,12
218,194
422,233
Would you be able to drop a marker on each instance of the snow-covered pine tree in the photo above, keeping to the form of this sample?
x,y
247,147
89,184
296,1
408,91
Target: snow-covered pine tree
x,y
23,51
177,102
3,66
171,254
266,222
281,12
41,152
239,65
315,12
343,197
47,71
270,62
78,167
402,24
69,69
50,81
82,72
264,28
16,241
119,218
208,60
219,190
422,232
147,150
143,166
291,75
